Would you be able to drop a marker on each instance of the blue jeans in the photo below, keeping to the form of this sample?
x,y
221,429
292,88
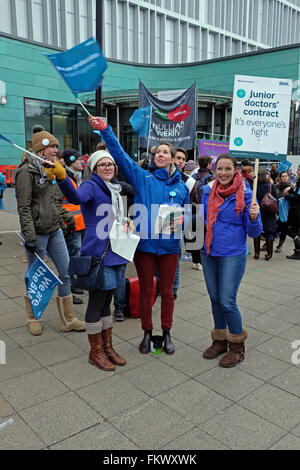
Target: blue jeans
x,y
120,292
223,276
55,245
74,241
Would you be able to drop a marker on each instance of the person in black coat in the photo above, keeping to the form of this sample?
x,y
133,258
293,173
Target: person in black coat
x,y
293,196
268,219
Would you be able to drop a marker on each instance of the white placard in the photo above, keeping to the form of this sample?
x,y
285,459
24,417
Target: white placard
x,y
260,117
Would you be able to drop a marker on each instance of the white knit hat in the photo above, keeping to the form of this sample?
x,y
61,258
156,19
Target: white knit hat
x,y
94,159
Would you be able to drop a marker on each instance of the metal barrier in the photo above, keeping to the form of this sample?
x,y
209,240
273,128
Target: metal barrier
x,y
9,171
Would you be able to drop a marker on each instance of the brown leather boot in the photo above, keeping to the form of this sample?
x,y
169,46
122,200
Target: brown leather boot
x,y
97,355
256,247
236,352
112,355
269,250
219,346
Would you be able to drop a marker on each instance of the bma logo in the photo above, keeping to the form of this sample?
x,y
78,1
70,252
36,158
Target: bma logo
x,y
2,353
283,83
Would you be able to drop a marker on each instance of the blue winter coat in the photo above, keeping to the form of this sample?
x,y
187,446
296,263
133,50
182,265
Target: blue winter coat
x,y
151,190
94,198
230,231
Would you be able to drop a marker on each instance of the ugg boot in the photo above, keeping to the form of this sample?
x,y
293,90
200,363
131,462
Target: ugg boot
x,y
68,320
269,250
169,347
236,350
144,346
256,247
34,325
296,254
219,345
97,356
112,355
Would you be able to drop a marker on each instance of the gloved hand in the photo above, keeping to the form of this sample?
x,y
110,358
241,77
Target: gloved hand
x,y
30,246
97,123
57,171
71,226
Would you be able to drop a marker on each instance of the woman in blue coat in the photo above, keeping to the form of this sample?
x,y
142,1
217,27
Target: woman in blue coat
x,y
101,204
229,217
162,186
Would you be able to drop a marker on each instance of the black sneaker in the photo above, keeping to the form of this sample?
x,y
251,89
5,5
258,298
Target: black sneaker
x,y
119,315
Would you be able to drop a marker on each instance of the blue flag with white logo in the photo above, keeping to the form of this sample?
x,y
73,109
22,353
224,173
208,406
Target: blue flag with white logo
x,y
140,121
81,67
40,283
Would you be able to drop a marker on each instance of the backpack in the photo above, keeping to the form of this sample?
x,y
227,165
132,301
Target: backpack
x,y
196,193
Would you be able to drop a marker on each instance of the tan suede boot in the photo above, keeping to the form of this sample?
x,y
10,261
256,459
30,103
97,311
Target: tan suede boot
x,y
236,352
34,325
97,355
112,355
219,346
68,320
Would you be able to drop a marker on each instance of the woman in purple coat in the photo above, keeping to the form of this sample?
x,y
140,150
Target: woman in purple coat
x,y
101,204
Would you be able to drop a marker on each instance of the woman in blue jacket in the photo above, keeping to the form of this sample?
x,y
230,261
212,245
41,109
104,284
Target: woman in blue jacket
x,y
230,217
100,203
162,186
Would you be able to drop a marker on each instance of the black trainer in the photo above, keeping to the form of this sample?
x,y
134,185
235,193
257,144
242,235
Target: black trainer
x,y
119,315
77,301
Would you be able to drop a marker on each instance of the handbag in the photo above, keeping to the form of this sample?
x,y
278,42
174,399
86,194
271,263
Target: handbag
x,y
86,272
269,203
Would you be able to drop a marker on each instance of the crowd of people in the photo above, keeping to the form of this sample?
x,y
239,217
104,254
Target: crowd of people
x,y
63,201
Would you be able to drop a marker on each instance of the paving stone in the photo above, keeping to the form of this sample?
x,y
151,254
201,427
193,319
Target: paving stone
x,y
14,290
257,305
77,373
278,348
183,331
285,313
30,389
5,408
194,401
60,417
22,337
289,380
130,328
195,440
18,436
240,429
9,343
101,437
7,306
268,399
231,383
291,334
112,396
188,360
154,377
163,425
18,362
55,351
288,442
13,320
268,324
262,366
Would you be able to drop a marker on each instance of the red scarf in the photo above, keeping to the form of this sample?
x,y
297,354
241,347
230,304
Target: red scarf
x,y
216,199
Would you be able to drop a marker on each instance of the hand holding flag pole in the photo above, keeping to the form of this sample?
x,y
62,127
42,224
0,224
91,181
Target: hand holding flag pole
x,y
24,150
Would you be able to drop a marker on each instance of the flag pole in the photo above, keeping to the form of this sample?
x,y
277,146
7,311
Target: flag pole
x,y
81,104
254,191
149,129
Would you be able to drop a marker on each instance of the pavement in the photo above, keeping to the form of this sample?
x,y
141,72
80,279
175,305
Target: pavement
x,y
52,398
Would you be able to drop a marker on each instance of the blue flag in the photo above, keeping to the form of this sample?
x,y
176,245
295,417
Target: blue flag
x,y
140,121
81,67
40,283
283,165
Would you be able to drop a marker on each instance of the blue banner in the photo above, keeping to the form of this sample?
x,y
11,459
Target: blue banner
x,y
40,283
140,121
81,67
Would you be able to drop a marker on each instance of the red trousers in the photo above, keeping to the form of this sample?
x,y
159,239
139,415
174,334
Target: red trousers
x,y
145,265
